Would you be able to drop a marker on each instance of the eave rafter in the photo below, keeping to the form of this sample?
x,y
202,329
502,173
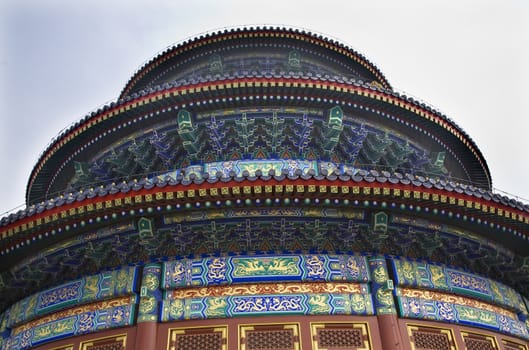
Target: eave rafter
x,y
499,220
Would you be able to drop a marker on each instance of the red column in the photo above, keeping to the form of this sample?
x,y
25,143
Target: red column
x,y
390,333
146,336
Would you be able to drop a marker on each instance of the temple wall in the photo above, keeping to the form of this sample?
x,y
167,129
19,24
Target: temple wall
x,y
296,301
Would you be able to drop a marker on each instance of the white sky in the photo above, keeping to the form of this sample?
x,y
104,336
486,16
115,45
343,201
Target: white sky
x,y
60,60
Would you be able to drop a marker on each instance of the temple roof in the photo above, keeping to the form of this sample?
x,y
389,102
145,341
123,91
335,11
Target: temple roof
x,y
268,67
223,41
260,139
362,103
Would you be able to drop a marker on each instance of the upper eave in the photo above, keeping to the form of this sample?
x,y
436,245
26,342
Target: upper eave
x,y
215,94
252,33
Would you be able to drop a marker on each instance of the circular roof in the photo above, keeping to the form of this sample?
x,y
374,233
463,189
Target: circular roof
x,y
244,37
275,126
256,67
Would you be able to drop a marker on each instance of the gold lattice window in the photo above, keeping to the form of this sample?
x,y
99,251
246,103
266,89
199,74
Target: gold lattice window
x,y
431,338
474,341
511,345
269,337
118,342
339,336
198,338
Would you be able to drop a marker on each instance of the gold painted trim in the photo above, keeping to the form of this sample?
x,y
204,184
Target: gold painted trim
x,y
454,299
364,326
120,337
222,328
295,326
270,288
73,310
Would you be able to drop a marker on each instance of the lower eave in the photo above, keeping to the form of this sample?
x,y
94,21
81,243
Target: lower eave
x,y
492,220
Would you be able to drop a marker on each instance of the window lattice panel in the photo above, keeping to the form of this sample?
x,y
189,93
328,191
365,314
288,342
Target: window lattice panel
x,y
269,337
340,336
205,338
270,340
431,341
479,341
429,338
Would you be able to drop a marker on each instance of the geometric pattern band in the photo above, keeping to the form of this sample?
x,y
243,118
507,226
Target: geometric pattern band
x,y
292,284
267,304
101,305
268,288
454,299
89,289
418,308
264,268
422,275
251,166
77,324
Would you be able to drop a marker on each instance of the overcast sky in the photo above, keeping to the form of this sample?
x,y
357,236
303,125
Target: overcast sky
x,y
60,60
